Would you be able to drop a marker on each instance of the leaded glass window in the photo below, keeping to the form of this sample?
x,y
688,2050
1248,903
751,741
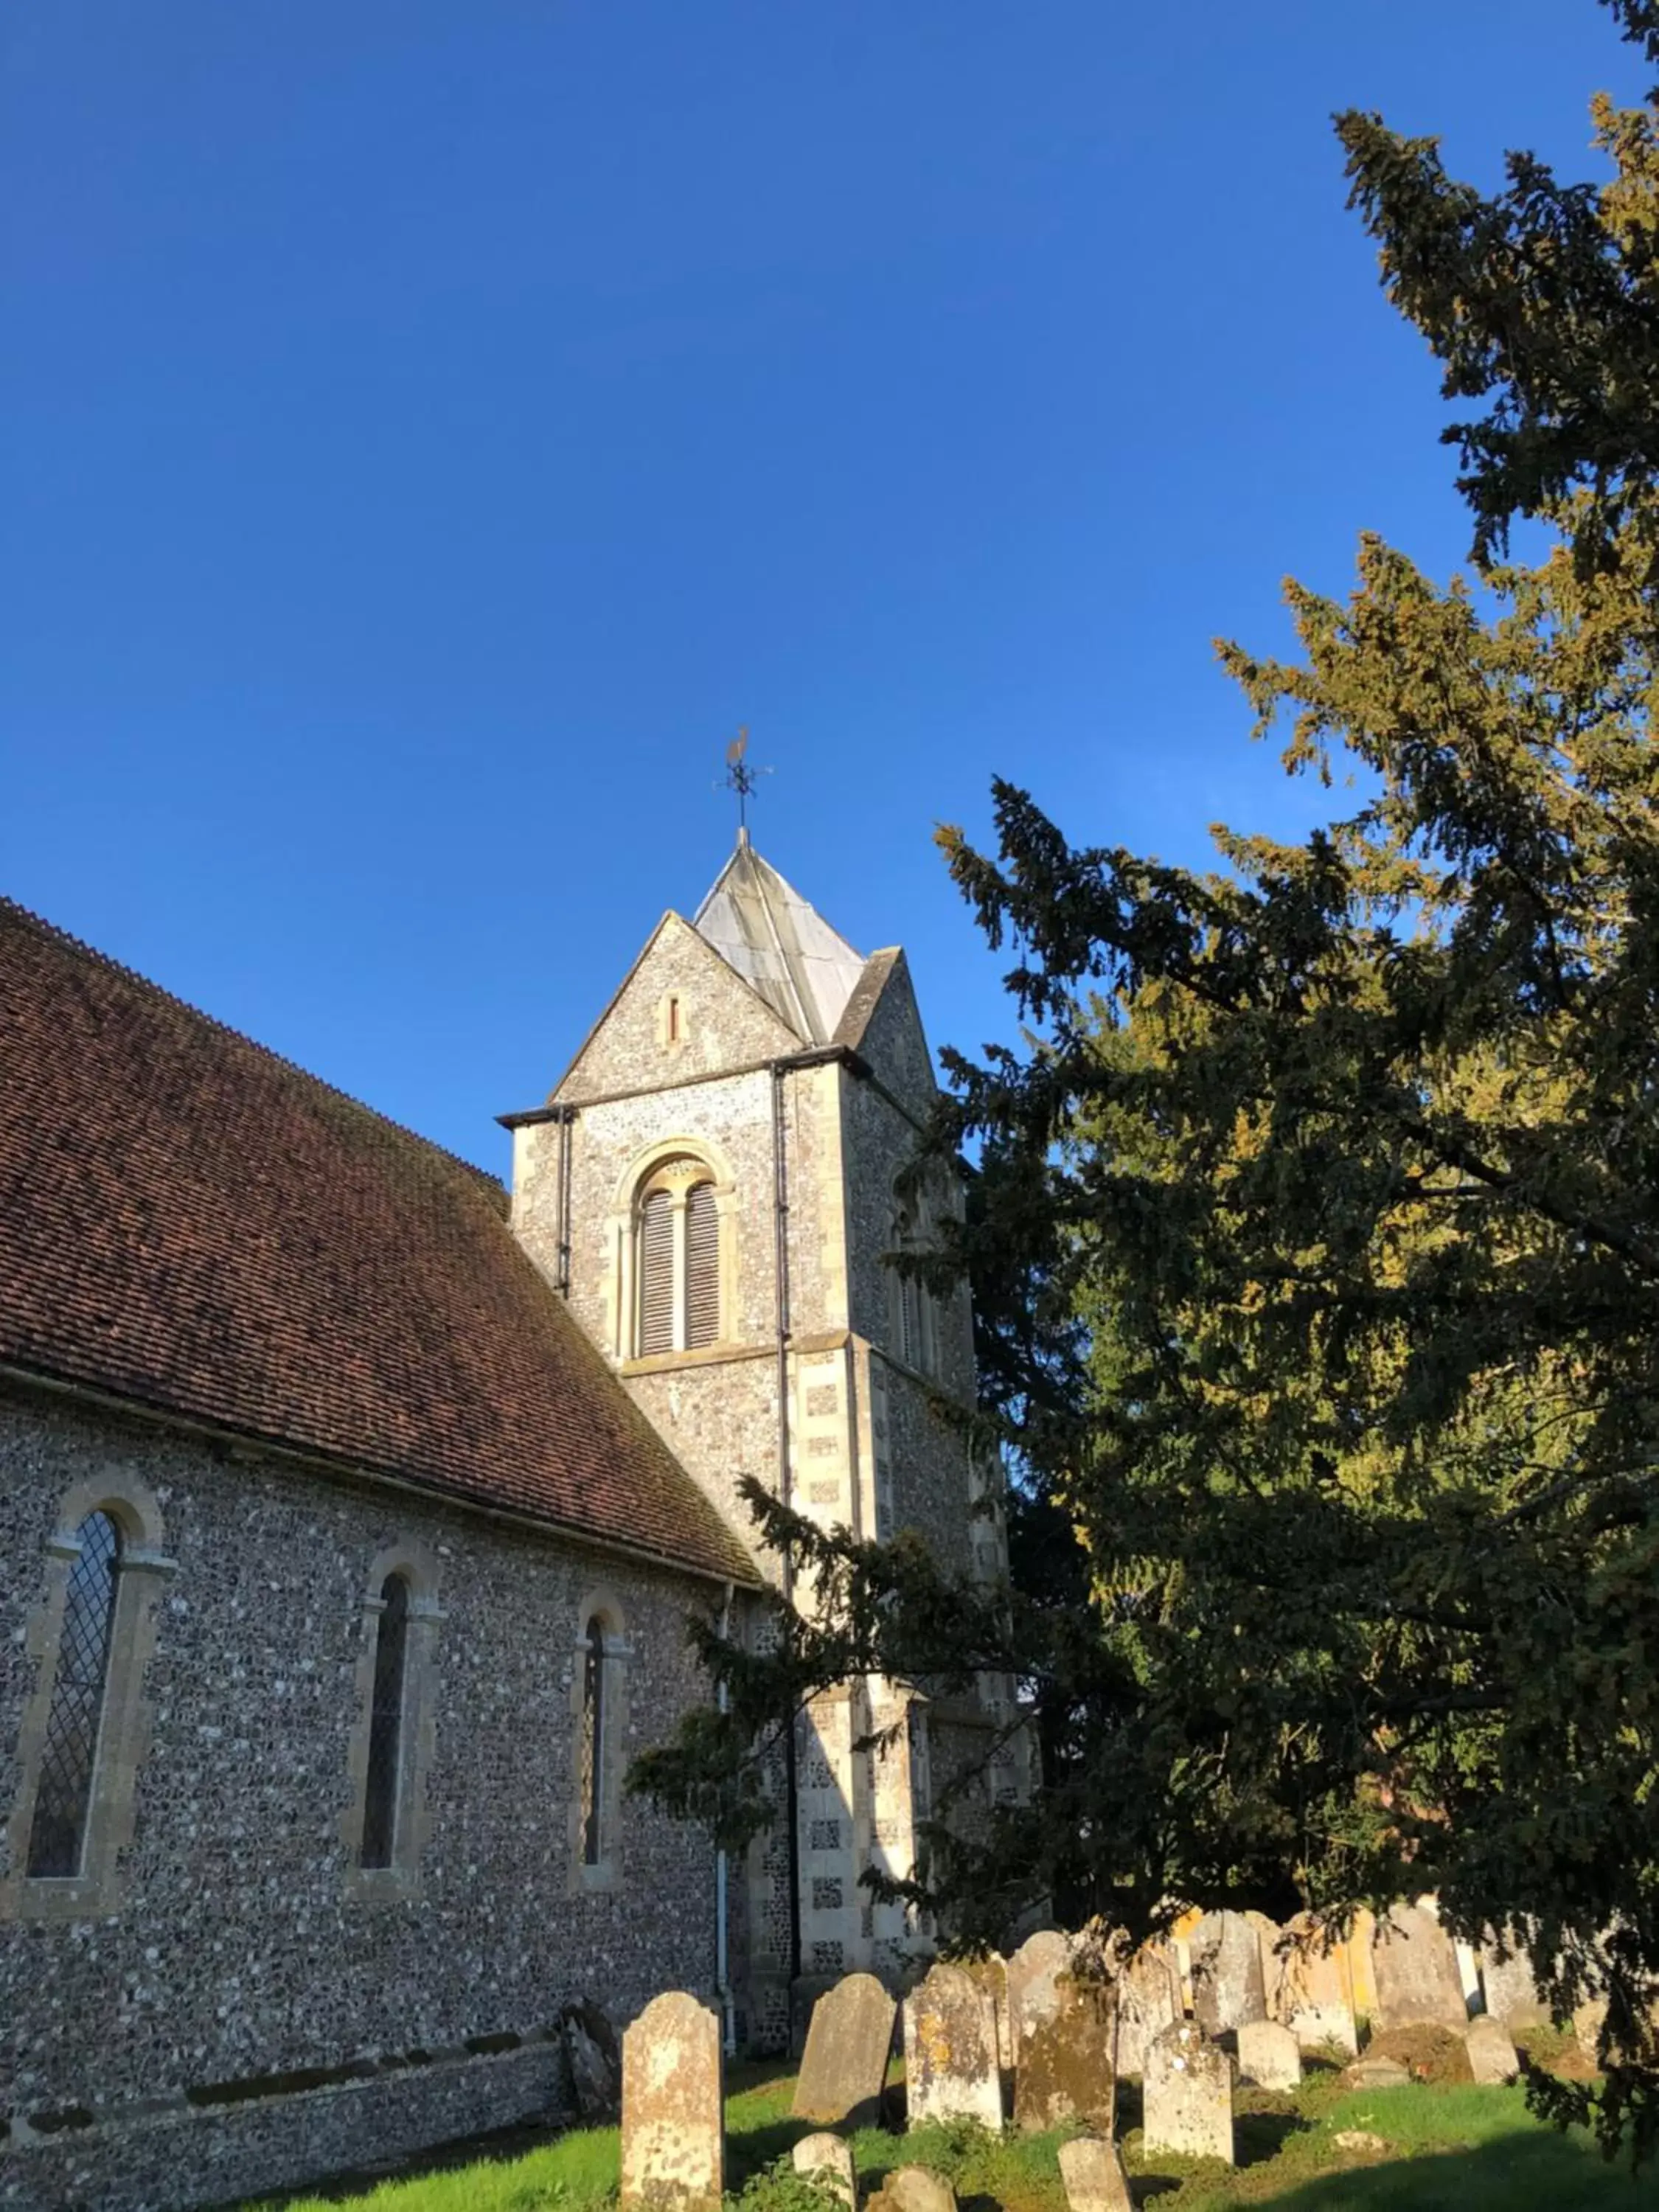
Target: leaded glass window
x,y
63,1796
591,1758
386,1725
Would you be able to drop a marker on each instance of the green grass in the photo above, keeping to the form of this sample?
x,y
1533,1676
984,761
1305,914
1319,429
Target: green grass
x,y
1456,2150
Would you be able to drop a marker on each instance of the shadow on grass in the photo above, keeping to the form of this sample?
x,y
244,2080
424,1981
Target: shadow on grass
x,y
1565,2173
1259,2135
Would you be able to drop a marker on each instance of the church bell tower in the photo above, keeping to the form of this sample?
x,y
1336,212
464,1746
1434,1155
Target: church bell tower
x,y
714,1184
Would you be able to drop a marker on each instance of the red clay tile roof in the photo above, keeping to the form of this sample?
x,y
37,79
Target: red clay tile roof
x,y
189,1222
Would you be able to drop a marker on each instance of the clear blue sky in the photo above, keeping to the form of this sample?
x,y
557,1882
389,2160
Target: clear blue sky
x,y
431,426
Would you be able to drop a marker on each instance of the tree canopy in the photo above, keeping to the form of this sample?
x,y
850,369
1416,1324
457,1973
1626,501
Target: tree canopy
x,y
1315,1238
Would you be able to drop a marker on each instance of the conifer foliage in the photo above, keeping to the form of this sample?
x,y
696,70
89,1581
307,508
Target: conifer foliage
x,y
1316,1235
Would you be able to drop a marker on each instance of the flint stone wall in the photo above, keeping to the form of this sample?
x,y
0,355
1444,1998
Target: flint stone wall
x,y
182,2027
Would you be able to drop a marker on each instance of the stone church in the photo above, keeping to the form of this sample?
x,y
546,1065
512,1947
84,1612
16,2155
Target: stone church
x,y
351,1510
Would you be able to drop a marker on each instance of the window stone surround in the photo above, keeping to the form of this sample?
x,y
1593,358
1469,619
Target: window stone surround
x,y
125,1714
416,1733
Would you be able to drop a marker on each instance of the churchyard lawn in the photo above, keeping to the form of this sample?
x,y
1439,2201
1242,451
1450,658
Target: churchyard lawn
x,y
1475,2150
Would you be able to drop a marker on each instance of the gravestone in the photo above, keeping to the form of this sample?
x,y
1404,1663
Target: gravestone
x,y
1376,2074
1034,1973
1148,2002
951,2066
1315,1995
1187,2095
829,2158
991,1972
1269,2055
1091,2168
594,2056
1268,1936
673,2130
1362,1937
1492,2054
844,2067
913,2189
1511,1990
1066,2060
1415,1967
1228,1986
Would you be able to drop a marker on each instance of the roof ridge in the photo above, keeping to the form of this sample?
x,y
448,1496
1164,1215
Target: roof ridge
x,y
17,911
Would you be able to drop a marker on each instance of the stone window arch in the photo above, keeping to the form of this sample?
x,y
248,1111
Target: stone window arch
x,y
599,1720
85,1728
386,1828
676,1259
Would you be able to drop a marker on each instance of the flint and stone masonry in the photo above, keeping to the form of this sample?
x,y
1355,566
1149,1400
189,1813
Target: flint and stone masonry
x,y
753,1047
162,2050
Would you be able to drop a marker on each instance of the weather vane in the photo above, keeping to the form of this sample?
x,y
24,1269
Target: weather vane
x,y
740,776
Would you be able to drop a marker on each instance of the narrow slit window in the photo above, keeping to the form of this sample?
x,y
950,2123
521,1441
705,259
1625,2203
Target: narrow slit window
x,y
57,1833
591,1775
385,1727
702,1272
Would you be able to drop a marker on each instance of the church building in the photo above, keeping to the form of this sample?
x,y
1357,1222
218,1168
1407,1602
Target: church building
x,y
351,1510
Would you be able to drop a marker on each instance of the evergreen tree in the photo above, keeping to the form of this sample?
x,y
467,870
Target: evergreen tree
x,y
1316,1234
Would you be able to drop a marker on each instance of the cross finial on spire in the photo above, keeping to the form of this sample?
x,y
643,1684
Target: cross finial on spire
x,y
741,777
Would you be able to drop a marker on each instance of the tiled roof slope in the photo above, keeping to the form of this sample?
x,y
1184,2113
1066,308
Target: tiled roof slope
x,y
188,1221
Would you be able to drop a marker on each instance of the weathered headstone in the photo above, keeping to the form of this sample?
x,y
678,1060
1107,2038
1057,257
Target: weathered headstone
x,y
1228,1986
1034,1974
1376,2074
1091,2168
1362,1936
1315,1994
673,2130
1492,2054
991,1972
1588,2021
827,2157
1187,2095
594,2056
1269,2055
1066,2060
951,2066
1417,1981
1148,2002
913,2189
844,2068
1512,1991
1267,1934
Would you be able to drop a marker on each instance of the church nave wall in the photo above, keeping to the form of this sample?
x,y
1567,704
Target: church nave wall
x,y
245,1985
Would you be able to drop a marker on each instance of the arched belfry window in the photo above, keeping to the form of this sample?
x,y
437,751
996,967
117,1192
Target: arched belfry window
x,y
676,1261
80,1691
386,1725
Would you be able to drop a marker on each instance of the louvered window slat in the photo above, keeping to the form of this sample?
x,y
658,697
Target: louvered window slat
x,y
703,1287
656,1251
